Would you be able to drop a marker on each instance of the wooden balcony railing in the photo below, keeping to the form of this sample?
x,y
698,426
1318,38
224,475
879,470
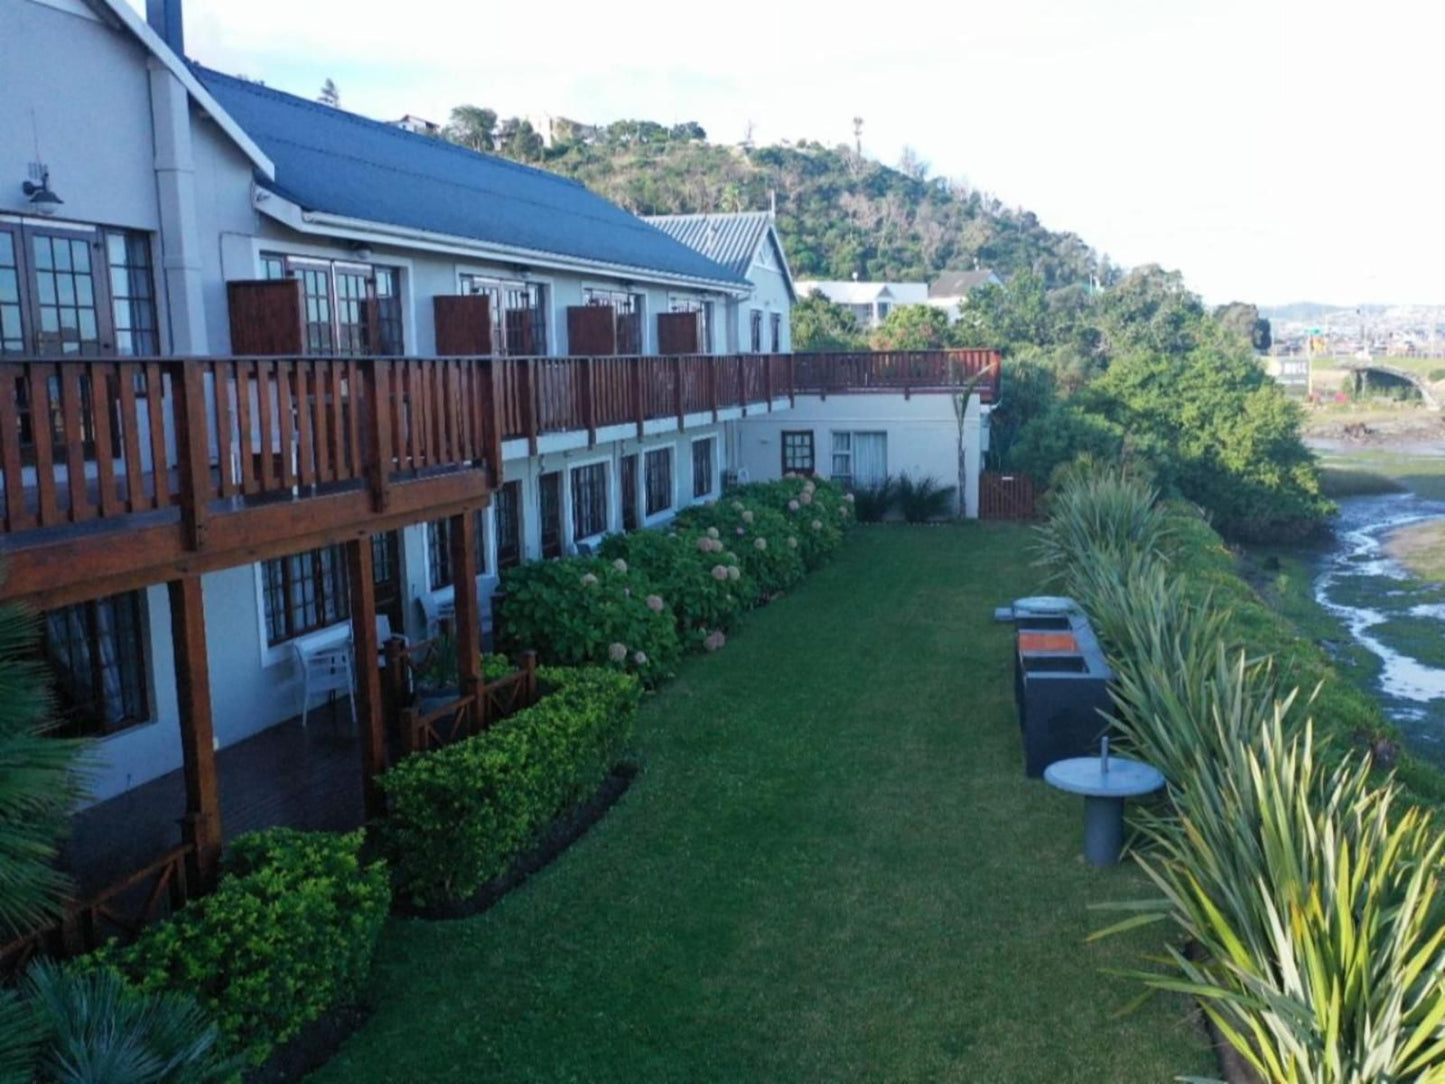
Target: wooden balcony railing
x,y
897,371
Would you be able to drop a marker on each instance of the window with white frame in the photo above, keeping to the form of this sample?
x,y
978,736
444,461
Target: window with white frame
x,y
589,500
628,309
860,459
704,317
304,592
755,337
518,311
96,655
659,480
349,308
702,466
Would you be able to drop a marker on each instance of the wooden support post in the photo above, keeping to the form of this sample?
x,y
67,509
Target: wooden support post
x,y
589,400
364,647
768,381
376,380
639,407
792,380
712,364
529,406
677,380
495,385
468,619
201,826
742,385
192,454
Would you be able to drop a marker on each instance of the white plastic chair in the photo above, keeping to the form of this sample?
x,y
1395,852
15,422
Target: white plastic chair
x,y
436,607
325,662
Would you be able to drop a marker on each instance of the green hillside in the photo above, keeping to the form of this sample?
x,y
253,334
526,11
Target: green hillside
x,y
840,213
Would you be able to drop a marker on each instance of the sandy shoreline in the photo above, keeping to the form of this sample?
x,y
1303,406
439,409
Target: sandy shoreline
x,y
1420,547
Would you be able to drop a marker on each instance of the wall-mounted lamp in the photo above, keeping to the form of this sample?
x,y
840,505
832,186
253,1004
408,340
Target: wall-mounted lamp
x,y
361,250
42,199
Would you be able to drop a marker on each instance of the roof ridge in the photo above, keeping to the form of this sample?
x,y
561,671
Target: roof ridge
x,y
348,116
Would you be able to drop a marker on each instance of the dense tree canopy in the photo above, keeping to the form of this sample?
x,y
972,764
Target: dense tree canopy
x,y
818,324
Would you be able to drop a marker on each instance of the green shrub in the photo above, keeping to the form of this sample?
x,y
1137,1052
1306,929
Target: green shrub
x,y
873,503
91,1027
924,500
577,611
288,933
777,529
460,815
689,575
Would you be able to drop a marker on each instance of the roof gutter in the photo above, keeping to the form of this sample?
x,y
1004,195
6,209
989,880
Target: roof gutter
x,y
321,223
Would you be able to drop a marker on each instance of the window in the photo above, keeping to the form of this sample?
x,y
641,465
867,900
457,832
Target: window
x,y
508,504
628,308
132,294
440,570
351,308
860,459
304,592
883,308
702,467
589,500
756,338
518,312
704,318
12,331
659,480
798,451
66,304
629,492
96,652
550,505
776,320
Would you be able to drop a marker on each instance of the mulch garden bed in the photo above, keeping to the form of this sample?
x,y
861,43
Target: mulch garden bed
x,y
562,833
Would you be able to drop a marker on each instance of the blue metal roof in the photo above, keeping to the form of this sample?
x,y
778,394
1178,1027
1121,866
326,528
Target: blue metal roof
x,y
339,163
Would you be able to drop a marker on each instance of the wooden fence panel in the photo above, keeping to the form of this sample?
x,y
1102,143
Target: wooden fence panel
x,y
1005,496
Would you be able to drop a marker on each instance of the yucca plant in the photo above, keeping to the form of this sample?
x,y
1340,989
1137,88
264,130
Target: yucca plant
x,y
924,499
19,1038
1315,907
1096,510
872,503
95,1029
38,782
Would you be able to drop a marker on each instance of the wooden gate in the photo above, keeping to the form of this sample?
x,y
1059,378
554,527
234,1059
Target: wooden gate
x,y
1005,496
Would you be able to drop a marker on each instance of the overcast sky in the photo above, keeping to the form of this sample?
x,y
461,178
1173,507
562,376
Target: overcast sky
x,y
1272,151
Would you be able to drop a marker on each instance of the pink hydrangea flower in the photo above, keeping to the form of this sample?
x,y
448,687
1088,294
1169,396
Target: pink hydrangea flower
x,y
734,573
809,487
640,658
704,545
620,565
793,506
806,497
738,506
617,652
655,603
719,572
715,640
817,525
712,532
627,592
740,531
848,497
747,516
589,580
792,542
760,543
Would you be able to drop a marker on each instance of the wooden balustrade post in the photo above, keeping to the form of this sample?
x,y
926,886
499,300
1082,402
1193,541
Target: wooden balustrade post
x,y
364,649
792,380
677,373
639,406
376,390
742,385
768,381
494,438
468,619
201,825
529,406
193,455
589,400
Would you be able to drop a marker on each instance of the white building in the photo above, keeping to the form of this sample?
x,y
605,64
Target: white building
x,y
951,289
870,302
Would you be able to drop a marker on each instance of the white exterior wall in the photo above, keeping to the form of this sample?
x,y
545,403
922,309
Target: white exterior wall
x,y
922,436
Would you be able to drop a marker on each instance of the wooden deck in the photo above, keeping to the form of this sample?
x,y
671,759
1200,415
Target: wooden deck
x,y
305,778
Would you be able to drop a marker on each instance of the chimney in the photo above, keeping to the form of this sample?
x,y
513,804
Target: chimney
x,y
165,19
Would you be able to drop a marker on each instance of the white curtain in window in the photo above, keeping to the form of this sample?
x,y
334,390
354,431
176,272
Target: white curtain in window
x,y
870,458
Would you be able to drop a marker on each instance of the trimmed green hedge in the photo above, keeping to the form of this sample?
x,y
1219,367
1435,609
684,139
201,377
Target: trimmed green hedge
x,y
460,815
288,934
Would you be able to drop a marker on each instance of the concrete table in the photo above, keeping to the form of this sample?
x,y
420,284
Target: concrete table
x,y
1105,782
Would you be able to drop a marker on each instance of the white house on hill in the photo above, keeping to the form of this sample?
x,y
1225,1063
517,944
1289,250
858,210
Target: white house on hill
x,y
870,302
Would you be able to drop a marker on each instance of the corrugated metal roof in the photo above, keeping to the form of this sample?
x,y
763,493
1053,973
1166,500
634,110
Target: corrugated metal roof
x,y
339,163
729,239
959,283
845,292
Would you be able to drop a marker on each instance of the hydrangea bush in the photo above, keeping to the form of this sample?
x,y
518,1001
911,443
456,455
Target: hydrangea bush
x,y
691,576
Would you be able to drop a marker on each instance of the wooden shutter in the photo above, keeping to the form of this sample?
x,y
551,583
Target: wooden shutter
x,y
679,333
519,332
267,316
591,330
463,324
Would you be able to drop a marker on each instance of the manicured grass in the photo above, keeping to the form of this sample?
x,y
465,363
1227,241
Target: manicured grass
x,y
830,868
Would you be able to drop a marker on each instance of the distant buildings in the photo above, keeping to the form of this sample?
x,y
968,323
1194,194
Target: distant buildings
x,y
871,302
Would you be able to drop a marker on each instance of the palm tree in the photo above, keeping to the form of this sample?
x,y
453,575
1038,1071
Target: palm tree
x,y
38,782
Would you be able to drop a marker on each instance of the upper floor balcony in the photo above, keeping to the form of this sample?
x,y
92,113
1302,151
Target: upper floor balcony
x,y
116,473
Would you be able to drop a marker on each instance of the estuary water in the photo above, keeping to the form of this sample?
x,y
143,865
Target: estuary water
x,y
1396,617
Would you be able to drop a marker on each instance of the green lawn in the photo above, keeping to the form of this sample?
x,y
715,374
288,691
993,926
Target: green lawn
x,y
831,868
